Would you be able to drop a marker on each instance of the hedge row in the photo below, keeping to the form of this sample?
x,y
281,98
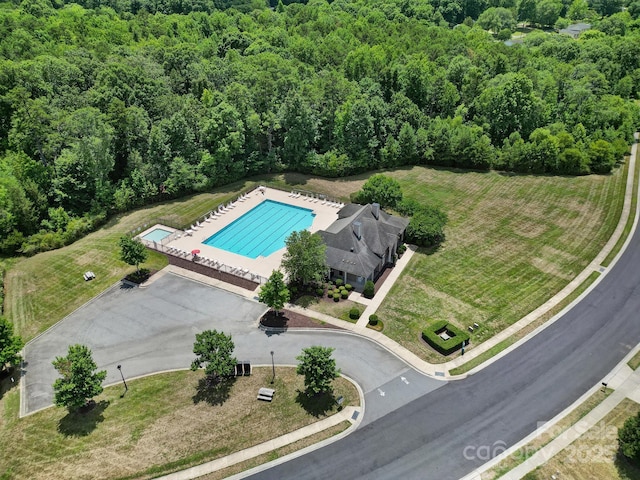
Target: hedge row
x,y
445,347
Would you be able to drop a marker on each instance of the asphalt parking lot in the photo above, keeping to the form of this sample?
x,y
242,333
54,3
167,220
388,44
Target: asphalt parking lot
x,y
152,329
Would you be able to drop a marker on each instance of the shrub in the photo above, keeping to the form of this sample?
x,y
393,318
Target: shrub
x,y
354,313
344,294
339,282
369,289
319,291
336,291
445,347
336,297
349,287
342,289
373,320
401,249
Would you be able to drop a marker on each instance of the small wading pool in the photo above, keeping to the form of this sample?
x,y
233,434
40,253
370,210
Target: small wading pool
x,y
262,230
157,234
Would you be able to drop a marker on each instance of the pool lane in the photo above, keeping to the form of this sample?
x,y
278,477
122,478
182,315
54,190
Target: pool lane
x,y
262,230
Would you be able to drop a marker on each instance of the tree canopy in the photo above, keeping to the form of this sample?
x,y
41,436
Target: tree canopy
x,y
319,369
381,189
274,293
107,106
132,251
10,344
80,381
214,350
304,260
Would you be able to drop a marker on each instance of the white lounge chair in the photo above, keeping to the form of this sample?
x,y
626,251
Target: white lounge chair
x,y
292,194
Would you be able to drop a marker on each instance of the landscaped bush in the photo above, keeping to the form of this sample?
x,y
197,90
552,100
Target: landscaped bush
x,y
432,336
349,287
339,282
342,288
344,294
319,291
354,313
373,320
336,297
401,249
369,289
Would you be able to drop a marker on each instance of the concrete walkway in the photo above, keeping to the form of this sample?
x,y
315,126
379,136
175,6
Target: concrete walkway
x,y
349,414
626,384
594,266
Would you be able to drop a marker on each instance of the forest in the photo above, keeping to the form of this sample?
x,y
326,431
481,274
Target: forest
x,y
107,105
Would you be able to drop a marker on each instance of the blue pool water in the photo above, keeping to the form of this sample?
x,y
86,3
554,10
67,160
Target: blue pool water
x,y
262,230
157,234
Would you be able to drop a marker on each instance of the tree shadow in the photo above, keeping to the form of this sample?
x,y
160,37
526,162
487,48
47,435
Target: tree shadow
x,y
213,391
9,379
316,405
82,422
626,468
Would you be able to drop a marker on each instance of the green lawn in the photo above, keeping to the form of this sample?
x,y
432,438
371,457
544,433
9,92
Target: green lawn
x,y
43,289
164,423
512,242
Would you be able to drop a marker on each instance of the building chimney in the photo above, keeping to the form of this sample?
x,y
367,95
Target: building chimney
x,y
375,209
357,229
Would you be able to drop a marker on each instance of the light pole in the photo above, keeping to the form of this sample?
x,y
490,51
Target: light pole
x,y
123,381
273,366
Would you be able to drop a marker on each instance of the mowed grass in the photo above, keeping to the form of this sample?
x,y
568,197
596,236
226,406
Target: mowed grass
x,y
163,423
512,242
545,438
43,289
595,454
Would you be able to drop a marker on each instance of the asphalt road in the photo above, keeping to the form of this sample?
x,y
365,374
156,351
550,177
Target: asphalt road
x,y
449,432
153,329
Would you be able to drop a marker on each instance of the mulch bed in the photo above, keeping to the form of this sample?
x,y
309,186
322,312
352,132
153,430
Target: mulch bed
x,y
289,319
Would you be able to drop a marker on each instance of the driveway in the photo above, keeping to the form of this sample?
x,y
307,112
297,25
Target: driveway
x,y
153,329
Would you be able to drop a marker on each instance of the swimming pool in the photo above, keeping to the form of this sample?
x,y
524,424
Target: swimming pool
x,y
157,234
262,230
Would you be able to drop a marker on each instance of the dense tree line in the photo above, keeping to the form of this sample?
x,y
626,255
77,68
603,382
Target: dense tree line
x,y
111,106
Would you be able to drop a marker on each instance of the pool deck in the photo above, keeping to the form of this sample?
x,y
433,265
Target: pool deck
x,y
325,215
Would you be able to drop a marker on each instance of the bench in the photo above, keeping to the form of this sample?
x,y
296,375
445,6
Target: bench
x,y
88,276
266,394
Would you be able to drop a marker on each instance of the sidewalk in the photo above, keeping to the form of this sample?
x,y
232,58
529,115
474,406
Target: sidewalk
x,y
350,414
626,384
594,266
442,370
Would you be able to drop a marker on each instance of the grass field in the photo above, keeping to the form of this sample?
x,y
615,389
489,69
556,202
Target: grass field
x,y
512,242
483,357
163,423
43,289
594,455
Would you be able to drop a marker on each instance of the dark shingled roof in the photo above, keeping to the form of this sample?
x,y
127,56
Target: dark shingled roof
x,y
361,256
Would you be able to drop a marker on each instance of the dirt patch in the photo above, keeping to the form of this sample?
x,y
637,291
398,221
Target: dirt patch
x,y
288,319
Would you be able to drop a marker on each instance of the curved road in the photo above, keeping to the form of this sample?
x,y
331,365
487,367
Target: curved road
x,y
153,329
453,430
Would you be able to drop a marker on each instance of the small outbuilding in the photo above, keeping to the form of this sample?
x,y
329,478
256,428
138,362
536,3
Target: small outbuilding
x,y
575,30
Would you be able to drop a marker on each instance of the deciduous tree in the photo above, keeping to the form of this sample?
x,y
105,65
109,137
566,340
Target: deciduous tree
x,y
381,189
319,369
274,293
10,344
214,350
132,251
304,261
80,381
